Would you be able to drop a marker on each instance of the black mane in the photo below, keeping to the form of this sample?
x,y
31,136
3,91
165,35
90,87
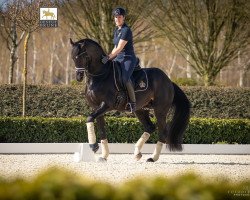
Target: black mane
x,y
88,41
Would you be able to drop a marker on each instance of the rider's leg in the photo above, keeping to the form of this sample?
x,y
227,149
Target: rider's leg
x,y
128,68
131,94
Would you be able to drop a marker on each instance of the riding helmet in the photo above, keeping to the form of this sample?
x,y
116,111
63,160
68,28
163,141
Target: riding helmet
x,y
119,11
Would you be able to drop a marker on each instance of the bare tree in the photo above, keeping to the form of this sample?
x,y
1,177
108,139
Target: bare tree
x,y
9,33
27,20
211,32
93,19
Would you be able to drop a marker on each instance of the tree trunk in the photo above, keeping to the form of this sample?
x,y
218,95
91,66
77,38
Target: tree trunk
x,y
67,68
18,69
52,61
188,67
208,80
172,65
13,60
34,60
25,72
143,57
221,76
13,49
67,72
188,64
241,81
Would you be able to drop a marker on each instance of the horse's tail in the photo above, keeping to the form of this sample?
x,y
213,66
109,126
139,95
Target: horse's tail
x,y
180,120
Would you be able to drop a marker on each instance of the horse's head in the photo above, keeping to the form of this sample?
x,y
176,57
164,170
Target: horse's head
x,y
86,55
80,58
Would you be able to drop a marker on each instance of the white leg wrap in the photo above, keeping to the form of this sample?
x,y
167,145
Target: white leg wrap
x,y
138,146
105,148
91,132
157,151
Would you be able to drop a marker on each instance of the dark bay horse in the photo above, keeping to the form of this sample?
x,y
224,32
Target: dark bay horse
x,y
102,94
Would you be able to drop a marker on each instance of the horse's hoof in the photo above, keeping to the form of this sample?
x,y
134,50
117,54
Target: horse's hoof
x,y
101,159
150,160
138,156
94,147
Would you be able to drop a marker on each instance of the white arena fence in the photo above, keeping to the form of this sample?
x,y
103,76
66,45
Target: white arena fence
x,y
120,148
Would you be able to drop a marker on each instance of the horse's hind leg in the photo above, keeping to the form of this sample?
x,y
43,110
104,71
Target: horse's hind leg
x,y
161,115
149,127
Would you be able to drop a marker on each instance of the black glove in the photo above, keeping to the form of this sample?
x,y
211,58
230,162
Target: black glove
x,y
105,59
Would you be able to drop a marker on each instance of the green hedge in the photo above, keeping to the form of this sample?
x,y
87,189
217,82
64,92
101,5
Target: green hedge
x,y
43,100
42,130
216,102
68,101
63,185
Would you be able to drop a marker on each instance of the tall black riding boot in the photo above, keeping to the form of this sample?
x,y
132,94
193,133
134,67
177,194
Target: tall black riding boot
x,y
131,94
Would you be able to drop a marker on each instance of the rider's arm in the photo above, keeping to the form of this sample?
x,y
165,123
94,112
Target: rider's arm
x,y
112,52
117,49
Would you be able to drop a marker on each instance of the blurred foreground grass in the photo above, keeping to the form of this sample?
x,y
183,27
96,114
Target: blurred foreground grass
x,y
57,184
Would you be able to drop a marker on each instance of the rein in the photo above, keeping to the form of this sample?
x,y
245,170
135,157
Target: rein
x,y
86,69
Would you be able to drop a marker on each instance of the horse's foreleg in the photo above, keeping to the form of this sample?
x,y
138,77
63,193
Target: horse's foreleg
x,y
138,146
90,125
104,142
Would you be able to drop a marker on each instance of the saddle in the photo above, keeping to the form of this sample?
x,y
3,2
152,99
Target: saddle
x,y
139,80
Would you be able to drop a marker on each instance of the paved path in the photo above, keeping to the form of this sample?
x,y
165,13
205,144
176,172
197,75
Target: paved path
x,y
122,167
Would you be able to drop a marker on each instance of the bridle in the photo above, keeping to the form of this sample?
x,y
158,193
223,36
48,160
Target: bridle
x,y
86,56
88,59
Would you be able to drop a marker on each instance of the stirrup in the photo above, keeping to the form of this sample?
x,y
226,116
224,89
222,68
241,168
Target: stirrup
x,y
132,106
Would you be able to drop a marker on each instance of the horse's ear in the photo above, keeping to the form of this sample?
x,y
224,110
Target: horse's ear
x,y
82,44
71,42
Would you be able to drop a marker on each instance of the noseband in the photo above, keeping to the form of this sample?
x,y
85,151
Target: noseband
x,y
86,69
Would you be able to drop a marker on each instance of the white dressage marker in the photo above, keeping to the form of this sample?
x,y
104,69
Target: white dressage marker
x,y
85,154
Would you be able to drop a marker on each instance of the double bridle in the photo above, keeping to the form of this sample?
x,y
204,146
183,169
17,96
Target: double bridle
x,y
82,69
86,69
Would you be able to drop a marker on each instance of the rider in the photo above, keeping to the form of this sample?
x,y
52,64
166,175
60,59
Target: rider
x,y
123,52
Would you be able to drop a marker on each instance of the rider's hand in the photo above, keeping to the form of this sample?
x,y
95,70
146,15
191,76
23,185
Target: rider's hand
x,y
105,59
